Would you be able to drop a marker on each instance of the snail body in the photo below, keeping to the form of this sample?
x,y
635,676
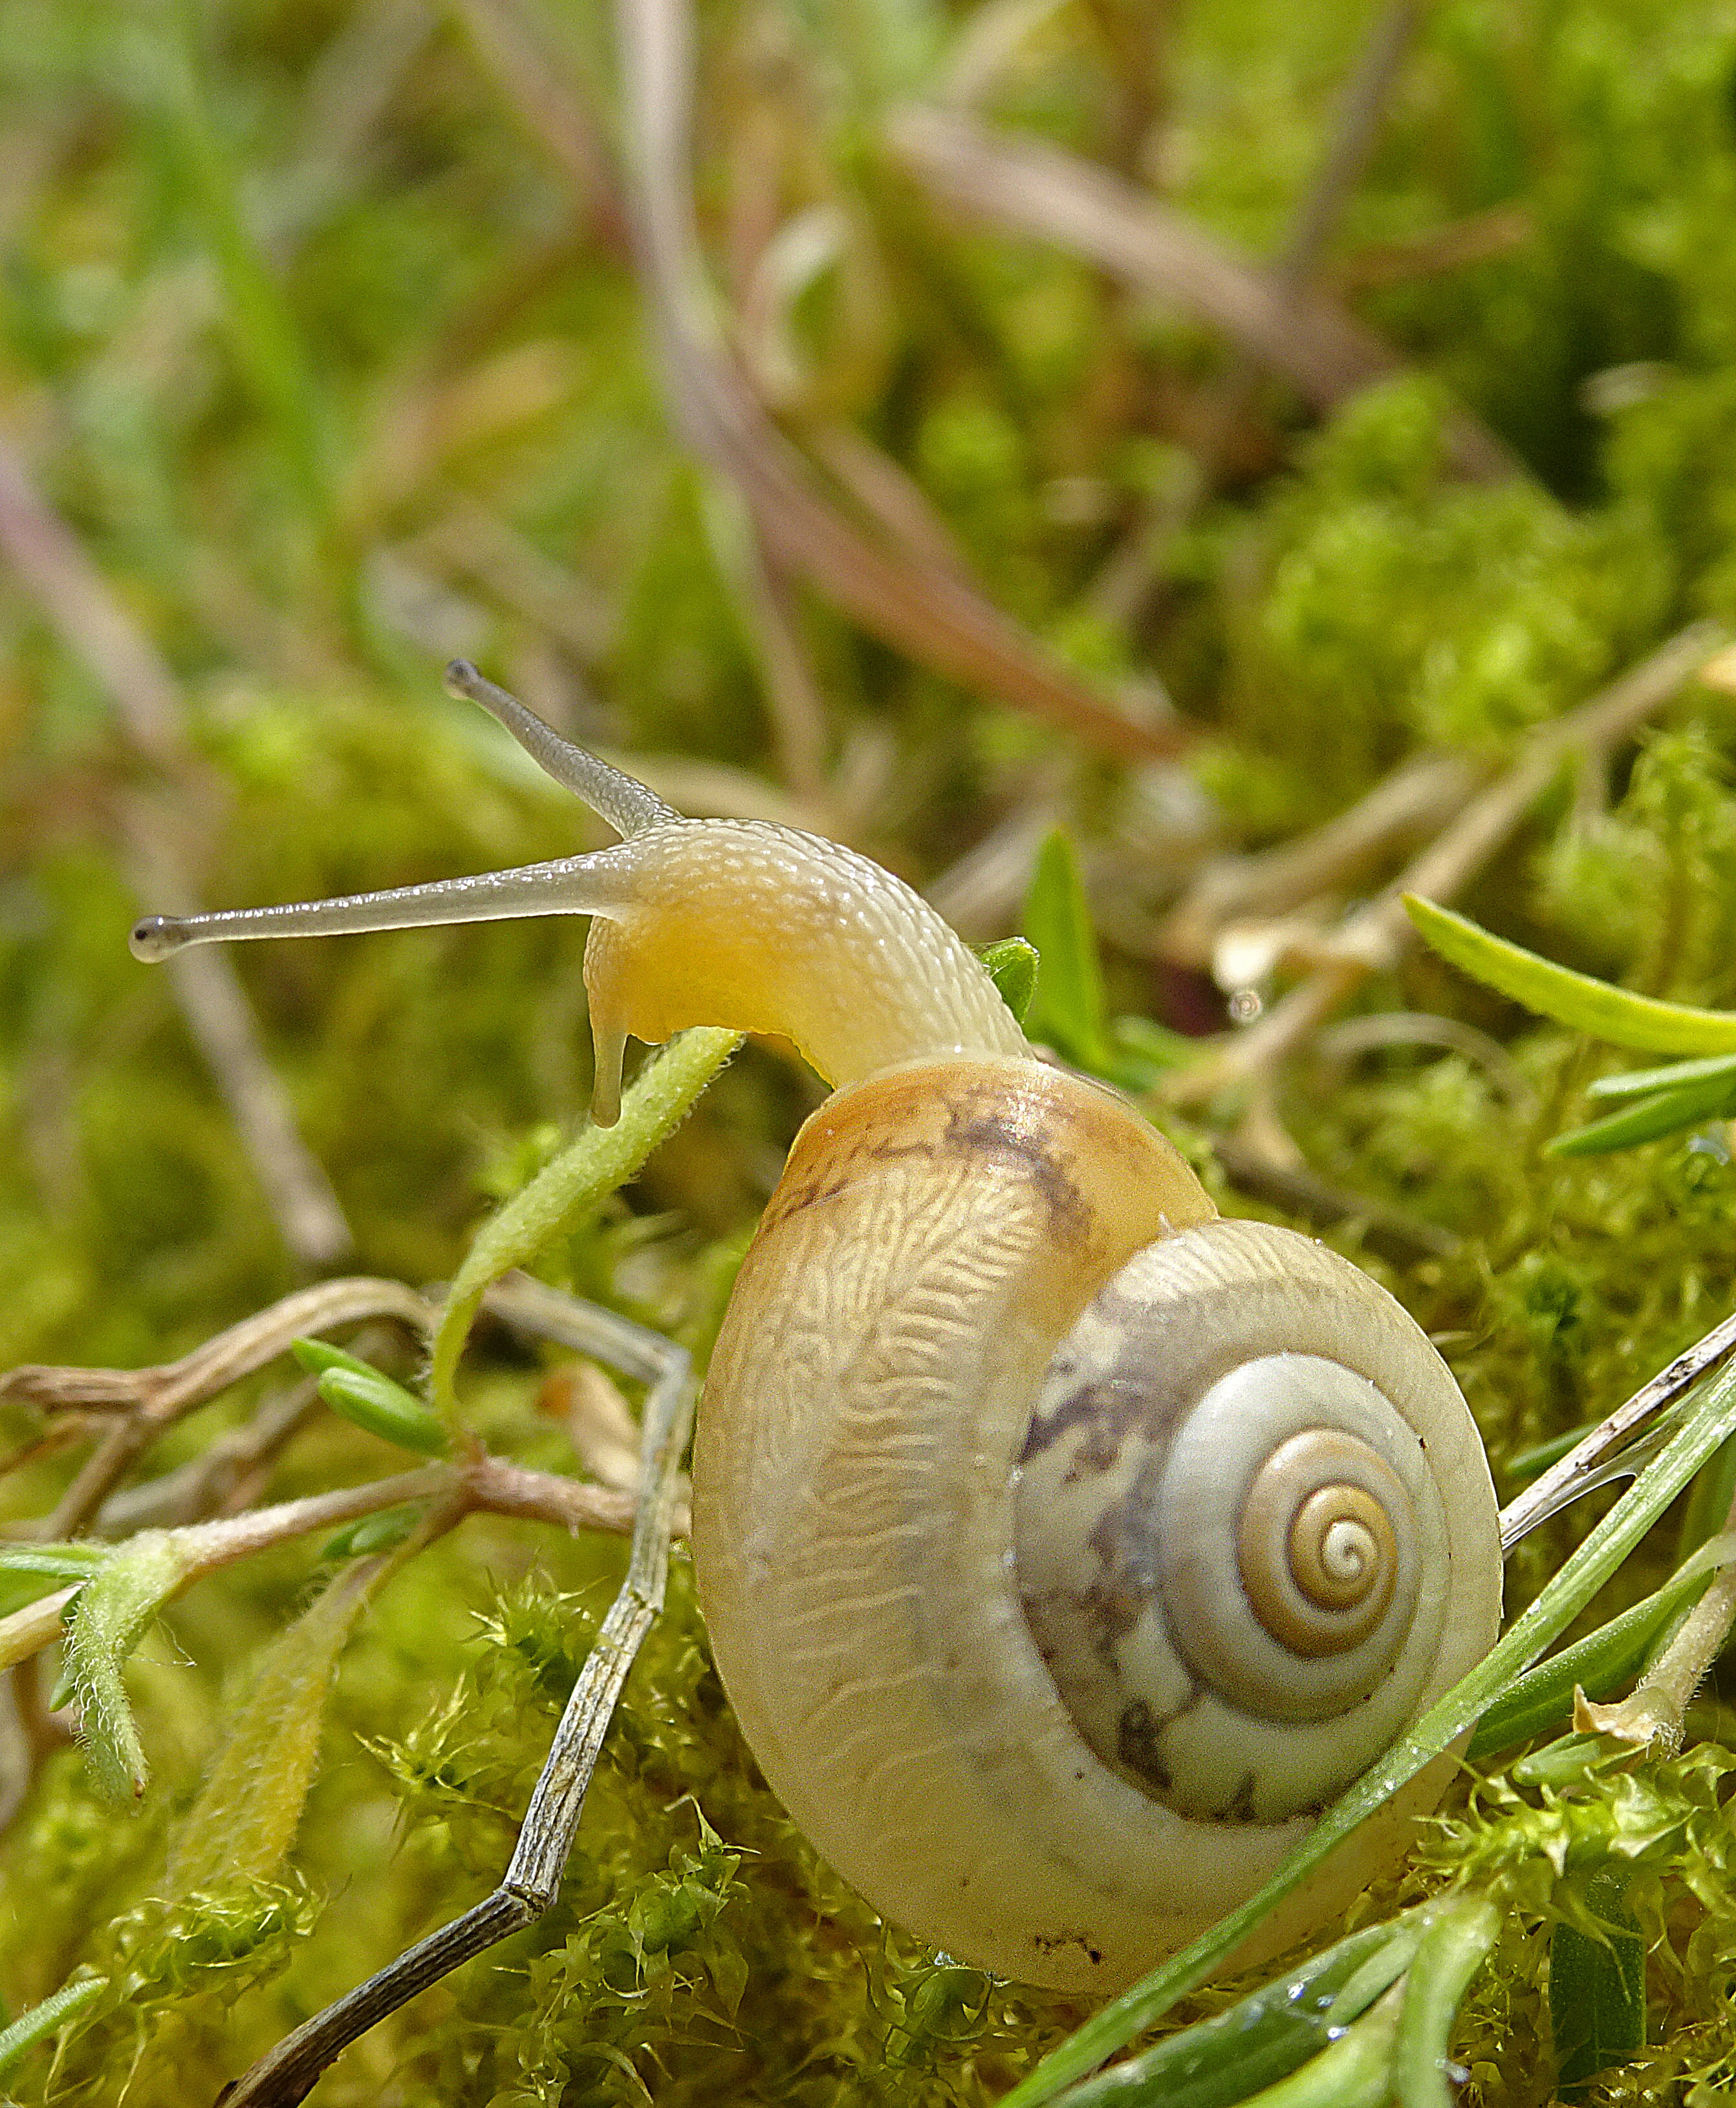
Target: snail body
x,y
1064,1547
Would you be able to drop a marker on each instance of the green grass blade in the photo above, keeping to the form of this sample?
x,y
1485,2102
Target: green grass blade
x,y
1068,1011
1452,1951
1668,1113
1639,1082
1261,2039
1544,1696
1588,1006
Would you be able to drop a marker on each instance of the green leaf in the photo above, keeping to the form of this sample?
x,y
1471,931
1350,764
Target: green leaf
x,y
1013,967
1068,1011
1596,1987
1588,1006
384,1532
1543,1697
1452,1951
362,1394
1269,2034
29,1570
1637,1082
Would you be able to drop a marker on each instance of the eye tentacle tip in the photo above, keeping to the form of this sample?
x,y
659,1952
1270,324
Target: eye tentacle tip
x,y
155,937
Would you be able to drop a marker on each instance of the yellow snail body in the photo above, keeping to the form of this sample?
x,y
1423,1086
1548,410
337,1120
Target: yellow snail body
x,y
1064,1547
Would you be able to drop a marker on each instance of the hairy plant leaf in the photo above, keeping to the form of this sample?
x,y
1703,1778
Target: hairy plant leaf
x,y
102,1626
245,1818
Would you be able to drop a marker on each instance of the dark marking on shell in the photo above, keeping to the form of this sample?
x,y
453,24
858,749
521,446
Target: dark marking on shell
x,y
1106,1407
1137,1737
1046,1942
1021,1142
1240,1806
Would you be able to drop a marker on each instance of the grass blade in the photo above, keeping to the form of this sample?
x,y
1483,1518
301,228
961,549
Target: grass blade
x,y
1587,1005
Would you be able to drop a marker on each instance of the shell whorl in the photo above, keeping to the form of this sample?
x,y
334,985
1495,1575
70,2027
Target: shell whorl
x,y
1233,1522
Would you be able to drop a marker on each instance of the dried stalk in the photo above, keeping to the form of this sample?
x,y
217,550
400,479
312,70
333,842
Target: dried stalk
x,y
1652,1714
934,618
1375,937
1031,188
1362,110
164,1392
1480,235
95,626
1420,795
516,49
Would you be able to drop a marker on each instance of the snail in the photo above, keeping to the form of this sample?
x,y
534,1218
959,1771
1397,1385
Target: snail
x,y
1064,1547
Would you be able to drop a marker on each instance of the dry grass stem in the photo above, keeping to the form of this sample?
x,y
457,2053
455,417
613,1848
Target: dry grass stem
x,y
1419,797
932,617
517,49
95,628
228,1476
1652,1714
1362,110
146,1400
893,499
1375,937
1029,187
161,1394
1474,239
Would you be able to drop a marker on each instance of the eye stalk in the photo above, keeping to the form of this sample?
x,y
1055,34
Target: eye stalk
x,y
723,922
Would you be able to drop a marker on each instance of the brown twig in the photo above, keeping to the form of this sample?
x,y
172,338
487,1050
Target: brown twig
x,y
1387,1230
1362,110
1472,240
1420,794
515,48
95,626
934,618
1033,188
1374,937
145,1401
228,1477
162,1392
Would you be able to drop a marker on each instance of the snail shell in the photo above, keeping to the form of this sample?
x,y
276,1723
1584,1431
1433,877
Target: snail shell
x,y
1064,1547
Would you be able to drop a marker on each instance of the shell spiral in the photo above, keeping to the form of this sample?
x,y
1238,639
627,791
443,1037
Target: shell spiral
x,y
1233,1522
1064,1547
